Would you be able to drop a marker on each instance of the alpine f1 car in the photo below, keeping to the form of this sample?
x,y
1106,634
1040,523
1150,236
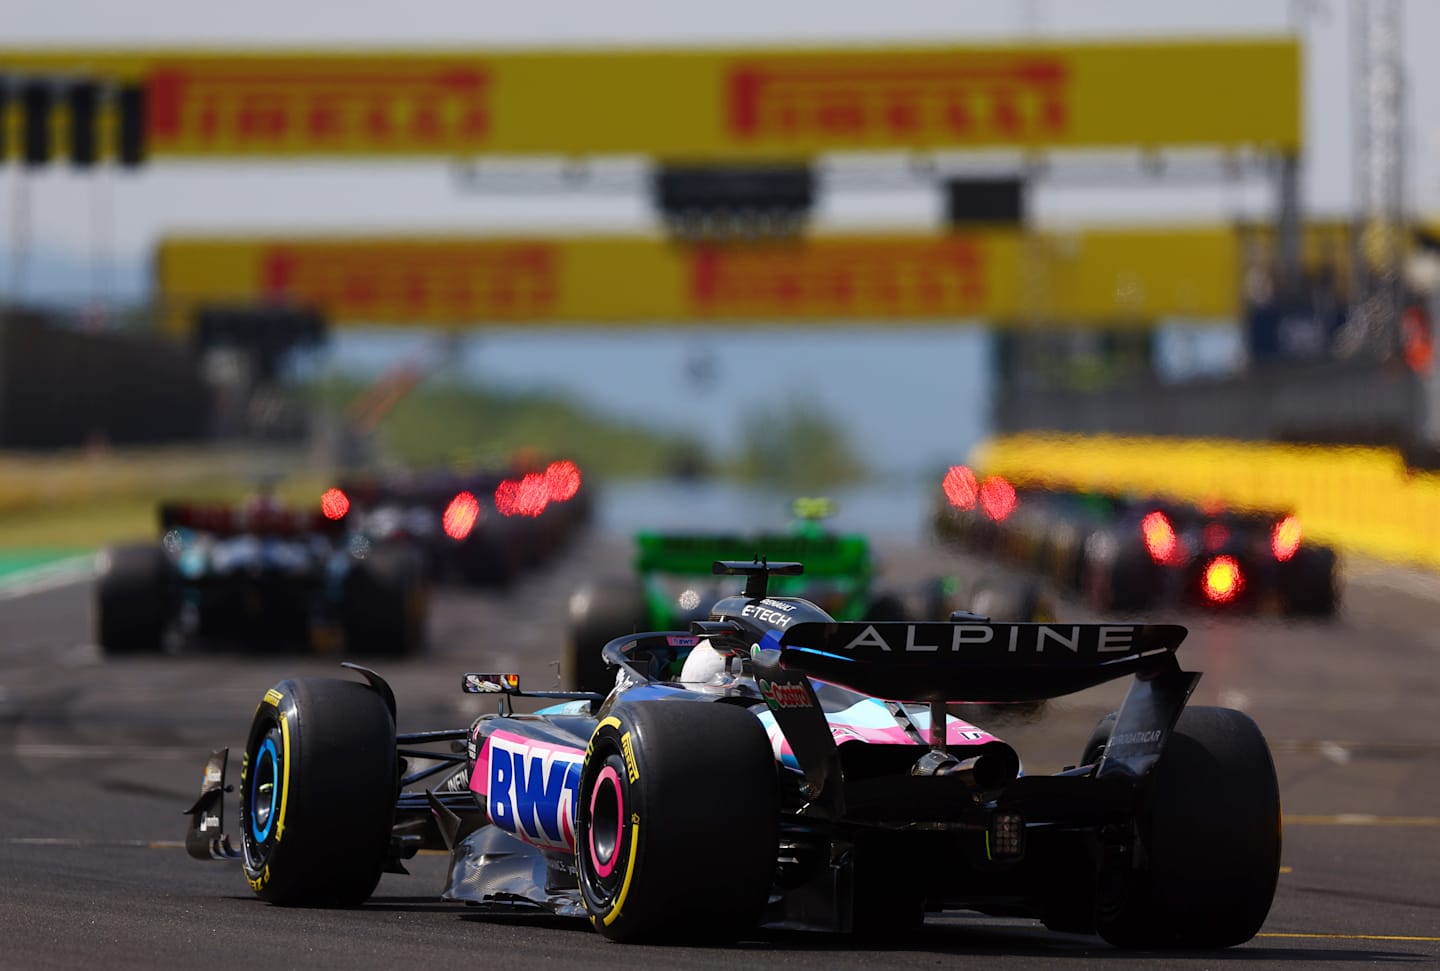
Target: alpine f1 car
x,y
811,778
1124,553
259,575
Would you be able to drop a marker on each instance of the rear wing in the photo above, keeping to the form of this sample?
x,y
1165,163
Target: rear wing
x,y
696,553
225,520
974,662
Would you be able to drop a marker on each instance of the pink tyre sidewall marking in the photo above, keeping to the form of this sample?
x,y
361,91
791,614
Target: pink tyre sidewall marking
x,y
607,774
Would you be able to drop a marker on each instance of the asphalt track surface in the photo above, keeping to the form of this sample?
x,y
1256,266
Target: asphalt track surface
x,y
99,757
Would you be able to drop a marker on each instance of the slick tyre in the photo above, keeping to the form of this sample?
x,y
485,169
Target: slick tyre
x,y
1123,582
677,825
1308,585
317,793
1013,601
384,604
886,607
136,597
1203,869
599,613
490,558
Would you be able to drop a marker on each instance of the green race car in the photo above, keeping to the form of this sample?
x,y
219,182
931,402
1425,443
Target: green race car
x,y
674,584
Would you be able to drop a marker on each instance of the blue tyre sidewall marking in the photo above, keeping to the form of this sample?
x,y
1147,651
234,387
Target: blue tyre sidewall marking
x,y
269,747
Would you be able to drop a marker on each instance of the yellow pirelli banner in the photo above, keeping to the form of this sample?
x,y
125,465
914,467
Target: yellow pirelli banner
x,y
1110,276
705,103
1362,499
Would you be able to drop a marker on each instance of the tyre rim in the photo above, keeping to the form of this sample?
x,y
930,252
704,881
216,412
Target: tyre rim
x,y
262,796
607,811
602,847
264,788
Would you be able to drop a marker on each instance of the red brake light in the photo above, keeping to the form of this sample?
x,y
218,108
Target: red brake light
x,y
563,480
460,516
1222,580
334,504
1159,536
1285,538
997,497
534,494
960,487
527,497
506,497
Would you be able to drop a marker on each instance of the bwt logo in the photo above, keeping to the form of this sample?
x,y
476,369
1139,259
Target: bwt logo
x,y
533,789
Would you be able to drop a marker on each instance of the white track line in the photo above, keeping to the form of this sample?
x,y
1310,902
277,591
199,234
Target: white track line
x,y
40,750
49,576
98,843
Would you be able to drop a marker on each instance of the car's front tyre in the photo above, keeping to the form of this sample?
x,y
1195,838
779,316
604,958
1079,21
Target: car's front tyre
x,y
317,793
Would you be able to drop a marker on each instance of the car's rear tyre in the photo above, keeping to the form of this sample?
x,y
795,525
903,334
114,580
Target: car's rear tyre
x,y
677,826
599,613
490,558
136,598
383,608
317,793
1308,585
1123,581
1013,601
1206,859
886,607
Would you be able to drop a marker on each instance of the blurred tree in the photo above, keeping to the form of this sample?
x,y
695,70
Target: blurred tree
x,y
800,448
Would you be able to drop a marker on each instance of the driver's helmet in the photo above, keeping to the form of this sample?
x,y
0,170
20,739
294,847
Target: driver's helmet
x,y
705,666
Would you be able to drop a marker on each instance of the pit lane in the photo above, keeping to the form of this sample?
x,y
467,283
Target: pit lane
x,y
99,757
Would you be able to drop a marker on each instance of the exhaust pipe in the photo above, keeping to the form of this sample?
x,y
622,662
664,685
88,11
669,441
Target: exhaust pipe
x,y
992,766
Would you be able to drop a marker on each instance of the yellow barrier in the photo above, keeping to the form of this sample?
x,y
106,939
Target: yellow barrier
x,y
1359,499
763,103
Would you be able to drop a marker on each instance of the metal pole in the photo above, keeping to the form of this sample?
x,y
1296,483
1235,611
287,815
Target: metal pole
x,y
1379,173
1288,225
19,233
101,225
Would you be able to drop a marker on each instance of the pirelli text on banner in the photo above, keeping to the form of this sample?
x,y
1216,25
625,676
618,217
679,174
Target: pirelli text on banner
x,y
702,103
